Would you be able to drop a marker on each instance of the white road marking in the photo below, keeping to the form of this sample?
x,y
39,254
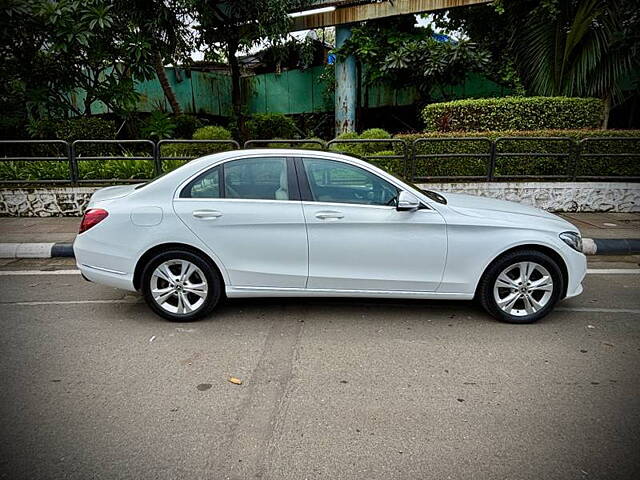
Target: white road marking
x,y
133,301
598,310
613,271
69,302
8,273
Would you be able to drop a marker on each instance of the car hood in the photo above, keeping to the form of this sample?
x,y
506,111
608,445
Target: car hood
x,y
485,207
109,193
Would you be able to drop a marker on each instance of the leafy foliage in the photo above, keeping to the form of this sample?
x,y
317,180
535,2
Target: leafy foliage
x,y
73,129
230,27
186,125
513,113
397,52
271,126
195,150
158,126
525,165
574,47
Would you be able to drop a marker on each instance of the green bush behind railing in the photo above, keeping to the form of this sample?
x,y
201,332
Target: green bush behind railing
x,y
377,153
513,113
509,166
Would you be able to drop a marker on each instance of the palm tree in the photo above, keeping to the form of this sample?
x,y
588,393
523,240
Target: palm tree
x,y
573,47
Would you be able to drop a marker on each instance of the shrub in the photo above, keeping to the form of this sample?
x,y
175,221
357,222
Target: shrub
x,y
374,147
363,149
212,132
513,113
186,125
525,165
195,150
158,126
86,128
81,128
307,144
267,126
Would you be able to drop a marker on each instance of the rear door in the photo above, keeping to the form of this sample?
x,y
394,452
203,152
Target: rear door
x,y
248,212
357,238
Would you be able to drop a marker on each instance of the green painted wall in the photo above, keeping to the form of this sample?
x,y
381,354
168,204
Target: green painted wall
x,y
290,92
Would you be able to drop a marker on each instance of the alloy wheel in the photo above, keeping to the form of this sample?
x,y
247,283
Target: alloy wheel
x,y
179,287
523,288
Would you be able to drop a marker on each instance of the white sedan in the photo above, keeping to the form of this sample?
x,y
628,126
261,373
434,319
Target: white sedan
x,y
283,223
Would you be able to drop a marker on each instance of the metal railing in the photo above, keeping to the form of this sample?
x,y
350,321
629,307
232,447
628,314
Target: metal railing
x,y
280,141
586,156
77,158
403,171
37,158
192,147
488,157
422,160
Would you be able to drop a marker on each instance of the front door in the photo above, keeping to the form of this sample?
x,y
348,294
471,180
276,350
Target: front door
x,y
357,238
249,213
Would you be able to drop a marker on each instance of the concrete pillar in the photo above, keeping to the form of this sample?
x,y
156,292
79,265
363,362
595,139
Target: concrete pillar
x,y
346,82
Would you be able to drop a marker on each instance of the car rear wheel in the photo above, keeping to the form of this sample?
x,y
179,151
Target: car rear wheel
x,y
181,286
521,287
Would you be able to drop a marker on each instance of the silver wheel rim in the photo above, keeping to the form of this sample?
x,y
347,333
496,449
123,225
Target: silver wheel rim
x,y
523,288
179,287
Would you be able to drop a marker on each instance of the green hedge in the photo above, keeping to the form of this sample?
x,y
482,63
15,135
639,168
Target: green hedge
x,y
508,166
195,150
268,126
513,113
371,151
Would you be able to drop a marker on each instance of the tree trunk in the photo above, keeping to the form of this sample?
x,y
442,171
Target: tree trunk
x,y
607,111
164,83
87,105
236,92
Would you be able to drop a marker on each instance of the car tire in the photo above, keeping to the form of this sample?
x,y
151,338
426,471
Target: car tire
x,y
181,286
521,287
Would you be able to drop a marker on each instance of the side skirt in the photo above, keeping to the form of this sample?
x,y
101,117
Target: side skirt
x,y
244,292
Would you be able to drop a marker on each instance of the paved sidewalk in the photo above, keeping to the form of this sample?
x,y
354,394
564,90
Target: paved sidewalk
x,y
64,229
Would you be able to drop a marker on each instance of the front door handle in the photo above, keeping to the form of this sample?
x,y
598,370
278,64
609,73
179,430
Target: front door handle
x,y
207,214
329,215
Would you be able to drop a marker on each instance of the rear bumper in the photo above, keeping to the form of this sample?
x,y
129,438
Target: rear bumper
x,y
103,264
114,279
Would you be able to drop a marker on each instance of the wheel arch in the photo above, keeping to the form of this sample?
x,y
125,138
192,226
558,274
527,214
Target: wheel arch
x,y
532,246
151,252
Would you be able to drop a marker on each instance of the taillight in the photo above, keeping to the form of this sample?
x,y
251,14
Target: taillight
x,y
91,218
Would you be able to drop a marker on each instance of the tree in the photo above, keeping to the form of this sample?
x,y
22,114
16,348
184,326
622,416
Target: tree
x,y
489,29
232,27
401,54
574,47
61,49
165,25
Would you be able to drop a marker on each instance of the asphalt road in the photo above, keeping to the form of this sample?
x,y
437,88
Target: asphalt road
x,y
95,386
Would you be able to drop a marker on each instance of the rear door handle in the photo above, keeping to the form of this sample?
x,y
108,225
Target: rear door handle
x,y
329,215
207,214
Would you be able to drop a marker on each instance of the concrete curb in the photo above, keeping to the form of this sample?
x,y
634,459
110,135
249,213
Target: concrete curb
x,y
611,246
36,250
590,246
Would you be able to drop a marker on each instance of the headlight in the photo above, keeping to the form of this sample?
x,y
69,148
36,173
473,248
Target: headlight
x,y
573,239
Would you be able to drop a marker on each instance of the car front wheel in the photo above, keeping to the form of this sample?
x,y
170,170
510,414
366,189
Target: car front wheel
x,y
181,286
521,287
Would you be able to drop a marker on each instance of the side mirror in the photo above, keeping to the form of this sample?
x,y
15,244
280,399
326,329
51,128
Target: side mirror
x,y
407,202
